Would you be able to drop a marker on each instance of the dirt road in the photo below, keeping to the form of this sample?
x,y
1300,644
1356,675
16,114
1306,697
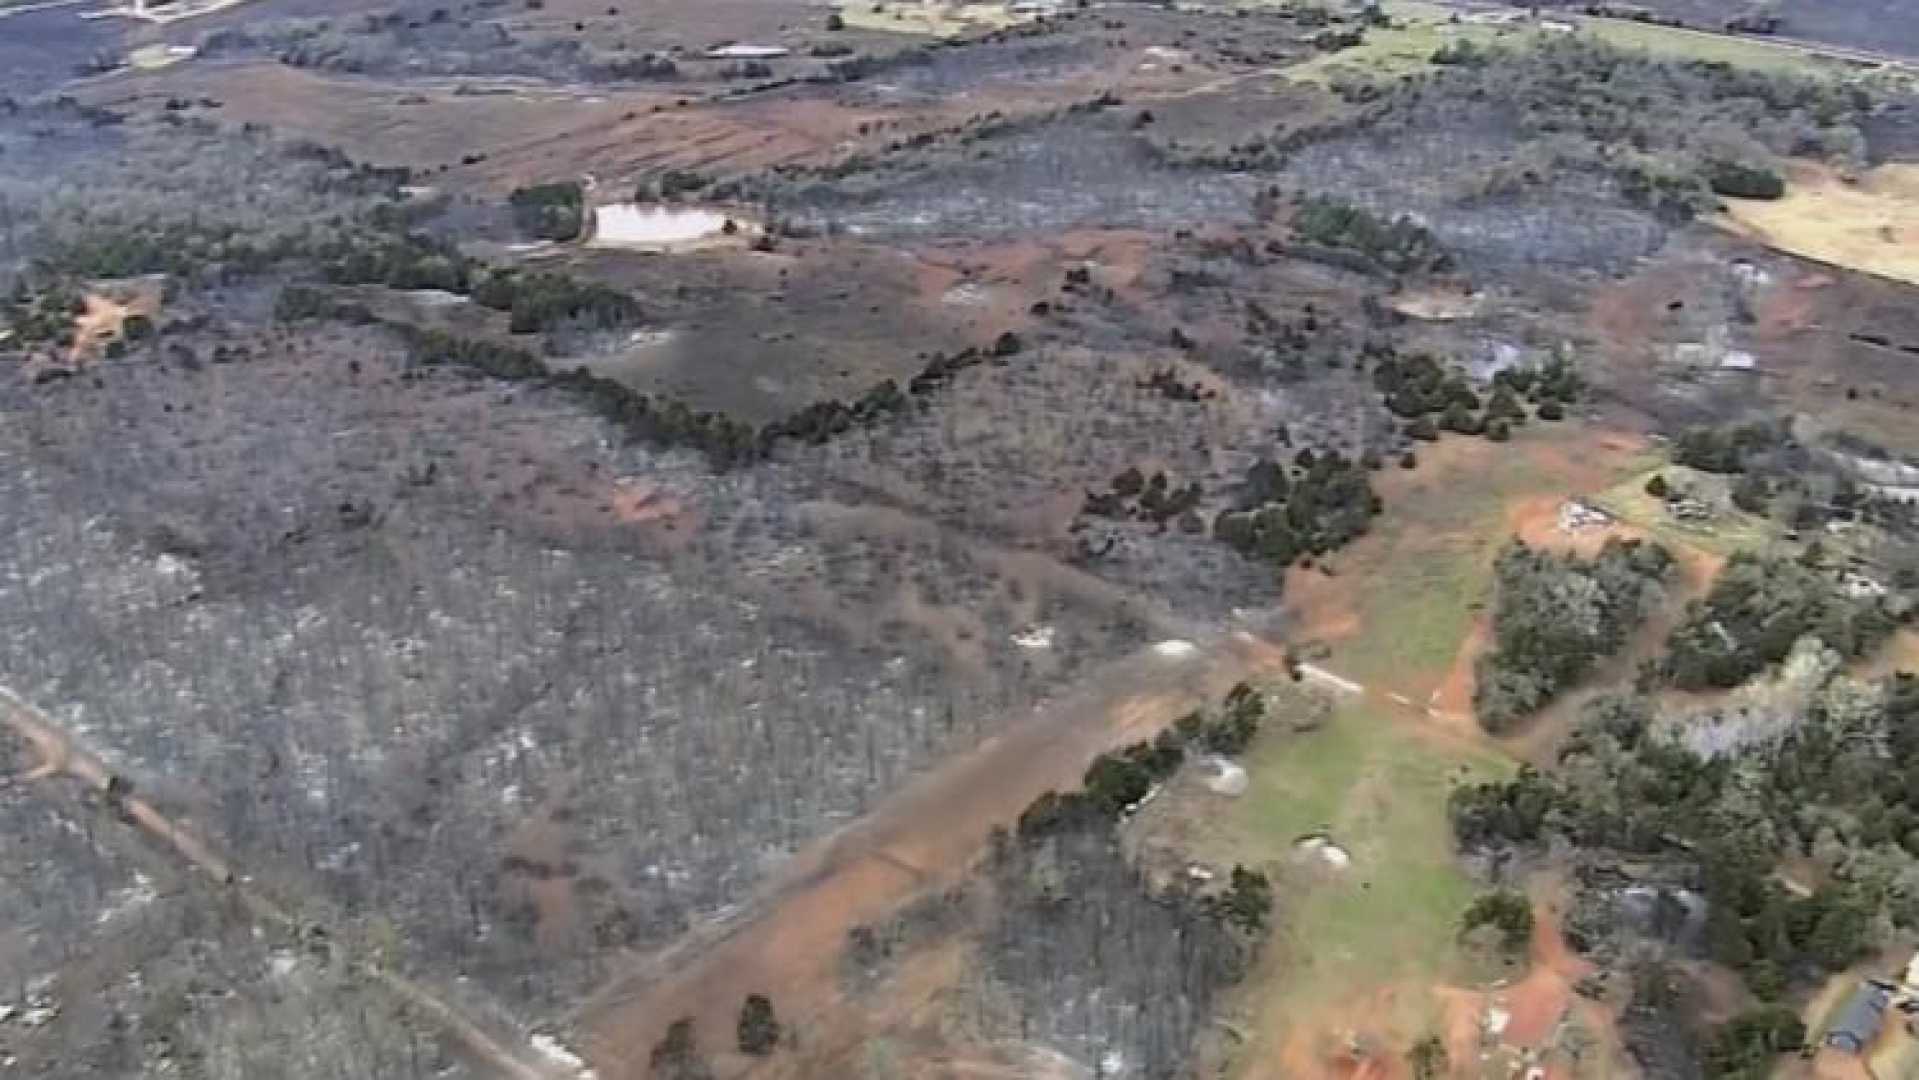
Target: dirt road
x,y
62,757
923,837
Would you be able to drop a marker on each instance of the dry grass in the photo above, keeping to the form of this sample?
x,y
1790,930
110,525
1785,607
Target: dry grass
x,y
930,20
1871,225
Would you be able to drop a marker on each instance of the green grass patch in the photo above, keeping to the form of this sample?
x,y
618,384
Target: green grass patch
x,y
1379,789
1417,600
1403,49
1749,52
1730,529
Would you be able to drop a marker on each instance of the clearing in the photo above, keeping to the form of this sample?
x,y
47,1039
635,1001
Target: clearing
x,y
941,20
1359,950
1366,960
1871,224
1393,608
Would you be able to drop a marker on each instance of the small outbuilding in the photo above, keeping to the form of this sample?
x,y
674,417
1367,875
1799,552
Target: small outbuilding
x,y
1855,1027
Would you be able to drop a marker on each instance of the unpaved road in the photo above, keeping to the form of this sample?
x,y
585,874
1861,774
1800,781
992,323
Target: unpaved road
x,y
923,837
61,756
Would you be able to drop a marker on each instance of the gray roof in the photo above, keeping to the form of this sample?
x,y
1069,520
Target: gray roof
x,y
1860,1018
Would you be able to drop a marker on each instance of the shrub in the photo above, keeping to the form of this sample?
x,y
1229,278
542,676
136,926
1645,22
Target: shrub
x,y
759,1030
1739,181
550,211
1508,911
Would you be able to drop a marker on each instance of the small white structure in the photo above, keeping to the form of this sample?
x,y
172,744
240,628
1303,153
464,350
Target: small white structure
x,y
1738,360
659,226
1224,777
1036,638
1334,856
741,50
1575,515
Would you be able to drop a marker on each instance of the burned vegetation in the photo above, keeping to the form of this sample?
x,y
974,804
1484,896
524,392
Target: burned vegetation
x,y
527,616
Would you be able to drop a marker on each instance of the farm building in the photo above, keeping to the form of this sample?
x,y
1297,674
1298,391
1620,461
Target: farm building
x,y
1857,1023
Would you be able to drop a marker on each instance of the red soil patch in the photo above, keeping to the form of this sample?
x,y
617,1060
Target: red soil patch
x,y
1344,1042
636,500
1785,310
1453,701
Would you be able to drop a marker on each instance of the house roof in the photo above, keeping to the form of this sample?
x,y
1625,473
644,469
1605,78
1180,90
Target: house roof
x,y
1862,1014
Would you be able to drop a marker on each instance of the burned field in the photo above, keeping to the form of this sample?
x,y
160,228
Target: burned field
x,y
539,615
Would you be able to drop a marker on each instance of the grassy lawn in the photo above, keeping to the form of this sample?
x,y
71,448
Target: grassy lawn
x,y
1729,531
1370,946
1407,47
1748,52
1870,225
1379,789
1417,580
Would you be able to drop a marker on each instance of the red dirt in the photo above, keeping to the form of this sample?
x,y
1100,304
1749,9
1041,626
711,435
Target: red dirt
x,y
1453,701
925,835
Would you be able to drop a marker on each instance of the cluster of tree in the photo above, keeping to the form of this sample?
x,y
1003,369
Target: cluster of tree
x,y
1839,784
1554,617
1506,911
670,184
1117,781
189,249
1418,389
1675,134
1137,497
541,300
535,301
42,316
677,1056
1758,609
941,369
820,422
555,211
1321,503
1095,958
432,42
1738,180
1749,1044
1729,449
1167,383
1085,948
1399,245
667,422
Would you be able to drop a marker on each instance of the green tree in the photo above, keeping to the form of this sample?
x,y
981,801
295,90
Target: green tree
x,y
677,1055
1248,900
1428,1059
759,1029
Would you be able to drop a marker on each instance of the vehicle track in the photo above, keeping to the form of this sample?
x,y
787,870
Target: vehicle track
x,y
62,757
